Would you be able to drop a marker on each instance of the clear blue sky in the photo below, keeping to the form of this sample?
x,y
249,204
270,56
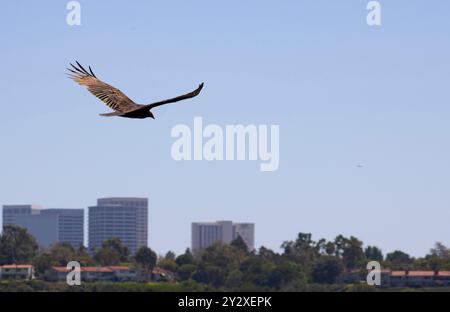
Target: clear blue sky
x,y
342,92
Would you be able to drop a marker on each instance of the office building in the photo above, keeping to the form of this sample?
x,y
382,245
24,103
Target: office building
x,y
49,226
124,218
70,225
10,211
205,234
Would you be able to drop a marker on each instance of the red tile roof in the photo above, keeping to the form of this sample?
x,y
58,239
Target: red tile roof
x,y
421,273
85,269
17,266
405,273
382,271
96,269
398,273
60,269
119,268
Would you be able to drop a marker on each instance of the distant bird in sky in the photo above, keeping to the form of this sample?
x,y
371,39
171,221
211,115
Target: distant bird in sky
x,y
360,166
116,99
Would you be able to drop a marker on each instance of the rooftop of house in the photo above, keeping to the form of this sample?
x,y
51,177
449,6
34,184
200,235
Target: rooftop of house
x,y
421,273
16,266
85,269
410,273
109,269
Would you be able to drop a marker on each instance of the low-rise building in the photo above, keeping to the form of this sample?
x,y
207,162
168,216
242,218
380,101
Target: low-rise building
x,y
442,278
163,275
113,274
124,273
405,279
17,271
395,279
420,278
88,274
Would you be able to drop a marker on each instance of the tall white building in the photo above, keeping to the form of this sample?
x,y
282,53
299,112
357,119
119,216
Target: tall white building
x,y
205,234
124,218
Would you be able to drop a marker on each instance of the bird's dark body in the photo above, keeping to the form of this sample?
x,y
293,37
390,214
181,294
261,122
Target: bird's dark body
x,y
116,99
138,114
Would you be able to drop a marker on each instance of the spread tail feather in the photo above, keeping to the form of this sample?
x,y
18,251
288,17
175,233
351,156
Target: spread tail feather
x,y
112,114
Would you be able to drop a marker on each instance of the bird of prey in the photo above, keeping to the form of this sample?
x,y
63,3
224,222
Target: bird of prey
x,y
116,99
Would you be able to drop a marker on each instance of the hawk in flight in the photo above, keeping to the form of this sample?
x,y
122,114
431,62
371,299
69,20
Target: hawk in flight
x,y
116,99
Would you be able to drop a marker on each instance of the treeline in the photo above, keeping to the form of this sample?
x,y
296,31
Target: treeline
x,y
302,264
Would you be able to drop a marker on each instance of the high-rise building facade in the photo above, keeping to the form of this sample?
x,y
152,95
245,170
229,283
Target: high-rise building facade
x,y
43,228
70,224
124,218
205,234
10,211
48,226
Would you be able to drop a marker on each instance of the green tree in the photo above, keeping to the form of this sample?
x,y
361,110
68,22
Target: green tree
x,y
339,245
326,270
239,243
186,258
330,248
399,260
42,263
257,270
208,273
373,253
16,246
107,256
353,253
83,257
146,258
61,253
440,251
438,259
168,264
234,279
186,271
116,244
283,274
303,250
267,254
170,255
216,262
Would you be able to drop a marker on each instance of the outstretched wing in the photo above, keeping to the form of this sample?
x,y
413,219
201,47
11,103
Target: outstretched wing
x,y
177,99
109,95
